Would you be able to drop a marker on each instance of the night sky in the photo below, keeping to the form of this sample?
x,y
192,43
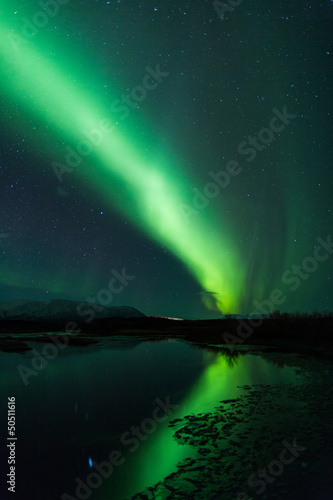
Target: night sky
x,y
184,145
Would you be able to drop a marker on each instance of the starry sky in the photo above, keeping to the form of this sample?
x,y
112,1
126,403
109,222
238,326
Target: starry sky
x,y
181,147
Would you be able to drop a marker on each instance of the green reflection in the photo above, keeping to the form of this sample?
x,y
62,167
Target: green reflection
x,y
158,457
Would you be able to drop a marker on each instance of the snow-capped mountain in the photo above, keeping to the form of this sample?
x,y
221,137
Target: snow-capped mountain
x,y
31,310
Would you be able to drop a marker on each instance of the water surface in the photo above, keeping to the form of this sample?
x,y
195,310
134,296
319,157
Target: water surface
x,y
74,412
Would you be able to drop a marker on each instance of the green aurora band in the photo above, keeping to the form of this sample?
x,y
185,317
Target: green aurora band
x,y
153,189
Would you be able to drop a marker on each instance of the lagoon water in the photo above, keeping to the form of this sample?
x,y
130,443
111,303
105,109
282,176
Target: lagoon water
x,y
89,402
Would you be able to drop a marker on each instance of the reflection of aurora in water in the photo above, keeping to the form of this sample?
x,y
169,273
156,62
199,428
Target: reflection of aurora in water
x,y
159,455
81,404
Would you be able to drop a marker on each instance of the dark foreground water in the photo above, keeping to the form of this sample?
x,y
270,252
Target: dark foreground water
x,y
113,402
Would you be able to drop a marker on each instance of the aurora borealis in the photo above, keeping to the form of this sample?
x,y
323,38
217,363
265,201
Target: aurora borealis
x,y
181,164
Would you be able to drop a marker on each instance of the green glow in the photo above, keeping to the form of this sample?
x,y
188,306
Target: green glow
x,y
158,455
218,381
156,193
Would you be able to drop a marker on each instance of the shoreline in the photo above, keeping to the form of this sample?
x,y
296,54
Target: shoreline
x,y
308,335
272,442
249,432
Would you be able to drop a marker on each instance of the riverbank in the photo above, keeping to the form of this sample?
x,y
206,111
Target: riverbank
x,y
296,335
271,442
